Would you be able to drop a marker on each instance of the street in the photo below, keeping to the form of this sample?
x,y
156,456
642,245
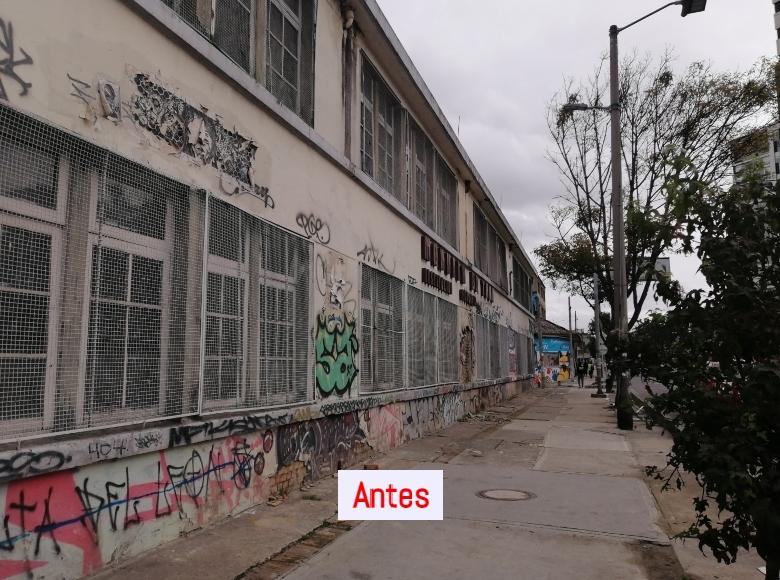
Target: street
x,y
585,511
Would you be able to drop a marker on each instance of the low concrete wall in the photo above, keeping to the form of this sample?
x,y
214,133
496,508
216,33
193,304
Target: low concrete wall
x,y
105,498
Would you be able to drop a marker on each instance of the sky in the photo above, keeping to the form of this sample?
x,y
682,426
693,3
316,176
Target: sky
x,y
494,65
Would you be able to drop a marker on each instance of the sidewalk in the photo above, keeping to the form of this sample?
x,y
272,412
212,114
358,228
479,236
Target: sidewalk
x,y
588,512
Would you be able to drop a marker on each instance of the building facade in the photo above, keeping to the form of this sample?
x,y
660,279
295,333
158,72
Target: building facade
x,y
240,247
760,149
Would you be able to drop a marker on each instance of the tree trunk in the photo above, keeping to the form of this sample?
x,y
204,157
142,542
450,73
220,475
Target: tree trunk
x,y
772,568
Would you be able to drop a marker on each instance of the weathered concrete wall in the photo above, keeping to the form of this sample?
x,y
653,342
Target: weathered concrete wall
x,y
73,522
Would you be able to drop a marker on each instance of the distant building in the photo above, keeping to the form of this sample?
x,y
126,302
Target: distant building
x,y
760,147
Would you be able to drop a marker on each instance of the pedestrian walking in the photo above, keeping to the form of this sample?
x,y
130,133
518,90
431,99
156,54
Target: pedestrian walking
x,y
581,370
590,369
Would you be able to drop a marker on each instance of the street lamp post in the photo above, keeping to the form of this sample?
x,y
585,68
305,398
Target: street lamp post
x,y
625,412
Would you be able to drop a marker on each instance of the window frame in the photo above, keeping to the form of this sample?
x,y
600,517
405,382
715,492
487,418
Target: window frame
x,y
297,21
46,419
105,235
381,307
239,270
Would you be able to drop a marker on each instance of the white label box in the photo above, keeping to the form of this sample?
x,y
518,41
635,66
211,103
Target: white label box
x,y
391,494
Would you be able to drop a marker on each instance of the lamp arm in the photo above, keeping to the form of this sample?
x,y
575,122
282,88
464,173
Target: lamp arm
x,y
654,12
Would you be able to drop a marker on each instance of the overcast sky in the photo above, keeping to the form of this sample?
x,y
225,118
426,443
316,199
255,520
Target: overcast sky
x,y
494,65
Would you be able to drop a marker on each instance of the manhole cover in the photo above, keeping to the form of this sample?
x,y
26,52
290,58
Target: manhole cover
x,y
506,494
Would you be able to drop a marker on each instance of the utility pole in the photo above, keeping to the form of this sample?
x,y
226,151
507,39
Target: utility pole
x,y
625,411
571,339
597,332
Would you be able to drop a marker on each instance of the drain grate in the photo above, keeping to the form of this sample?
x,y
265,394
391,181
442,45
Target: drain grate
x,y
506,494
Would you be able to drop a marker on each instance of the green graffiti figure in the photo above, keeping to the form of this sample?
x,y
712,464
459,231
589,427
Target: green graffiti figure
x,y
335,349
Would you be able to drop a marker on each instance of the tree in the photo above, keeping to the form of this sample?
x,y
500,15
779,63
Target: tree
x,y
695,115
718,353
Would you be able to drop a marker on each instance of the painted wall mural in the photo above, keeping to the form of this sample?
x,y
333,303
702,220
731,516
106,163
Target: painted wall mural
x,y
336,347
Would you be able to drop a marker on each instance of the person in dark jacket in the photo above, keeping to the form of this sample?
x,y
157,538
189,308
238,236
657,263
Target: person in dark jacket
x,y
581,370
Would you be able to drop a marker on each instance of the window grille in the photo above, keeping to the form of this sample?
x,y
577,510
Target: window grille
x,y
482,347
480,240
102,282
422,170
382,331
521,284
289,58
228,24
448,342
489,250
446,202
492,344
423,360
381,118
226,307
284,51
283,318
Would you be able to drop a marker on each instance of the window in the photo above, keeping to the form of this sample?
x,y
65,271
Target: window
x,y
489,250
432,345
231,29
224,365
284,51
129,295
283,317
27,321
446,202
289,59
448,342
521,285
423,330
492,348
380,131
382,330
422,170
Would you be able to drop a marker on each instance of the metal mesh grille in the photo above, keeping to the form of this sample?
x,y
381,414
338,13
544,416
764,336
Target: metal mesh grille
x,y
103,283
228,24
382,331
448,346
446,202
492,348
283,315
95,324
423,360
289,58
257,340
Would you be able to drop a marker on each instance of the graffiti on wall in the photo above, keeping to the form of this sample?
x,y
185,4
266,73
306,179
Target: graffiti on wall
x,y
325,445
28,463
466,355
332,283
9,60
314,228
217,429
493,312
335,350
191,131
70,517
370,254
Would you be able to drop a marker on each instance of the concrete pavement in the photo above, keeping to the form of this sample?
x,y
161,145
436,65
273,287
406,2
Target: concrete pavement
x,y
590,513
